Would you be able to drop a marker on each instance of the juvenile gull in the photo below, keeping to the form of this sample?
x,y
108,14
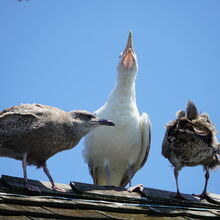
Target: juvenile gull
x,y
190,140
33,133
115,155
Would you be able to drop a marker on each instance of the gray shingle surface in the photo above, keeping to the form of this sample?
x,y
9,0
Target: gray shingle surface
x,y
86,201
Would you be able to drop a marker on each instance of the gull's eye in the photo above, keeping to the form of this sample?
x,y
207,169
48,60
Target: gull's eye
x,y
90,117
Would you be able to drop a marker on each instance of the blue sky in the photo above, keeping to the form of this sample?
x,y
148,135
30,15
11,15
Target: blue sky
x,y
65,53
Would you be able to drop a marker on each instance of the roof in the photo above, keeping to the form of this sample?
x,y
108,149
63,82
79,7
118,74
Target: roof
x,y
87,201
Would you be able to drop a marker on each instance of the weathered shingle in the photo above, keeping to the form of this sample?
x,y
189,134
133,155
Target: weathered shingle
x,y
86,201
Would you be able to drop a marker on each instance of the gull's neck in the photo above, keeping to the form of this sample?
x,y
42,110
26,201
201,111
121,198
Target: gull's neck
x,y
125,87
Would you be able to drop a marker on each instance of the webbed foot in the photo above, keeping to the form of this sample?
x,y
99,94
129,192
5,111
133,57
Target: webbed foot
x,y
136,188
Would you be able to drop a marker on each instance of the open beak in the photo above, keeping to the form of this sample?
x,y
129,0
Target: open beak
x,y
128,57
106,122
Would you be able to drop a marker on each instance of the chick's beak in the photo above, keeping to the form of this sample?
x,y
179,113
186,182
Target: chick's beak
x,y
128,58
106,122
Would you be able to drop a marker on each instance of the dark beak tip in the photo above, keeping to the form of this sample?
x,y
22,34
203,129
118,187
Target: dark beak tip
x,y
107,123
112,123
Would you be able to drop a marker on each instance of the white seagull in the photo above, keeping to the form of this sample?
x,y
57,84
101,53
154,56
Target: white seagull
x,y
114,155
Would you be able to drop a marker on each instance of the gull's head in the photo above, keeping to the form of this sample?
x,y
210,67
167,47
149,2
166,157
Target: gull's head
x,y
128,59
87,121
180,114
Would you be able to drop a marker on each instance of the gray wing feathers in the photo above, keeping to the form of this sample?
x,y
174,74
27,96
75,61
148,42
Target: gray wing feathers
x,y
144,152
146,138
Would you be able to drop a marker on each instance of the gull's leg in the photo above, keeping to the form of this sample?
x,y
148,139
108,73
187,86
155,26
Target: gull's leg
x,y
204,195
108,175
46,171
24,166
27,185
138,187
130,175
178,194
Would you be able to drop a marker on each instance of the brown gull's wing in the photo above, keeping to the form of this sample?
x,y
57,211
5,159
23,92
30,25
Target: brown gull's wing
x,y
171,128
14,124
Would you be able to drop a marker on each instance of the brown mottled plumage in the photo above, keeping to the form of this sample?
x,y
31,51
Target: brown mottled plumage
x,y
33,133
190,140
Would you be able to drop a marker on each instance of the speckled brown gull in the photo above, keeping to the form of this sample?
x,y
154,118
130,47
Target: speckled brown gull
x,y
190,140
33,133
